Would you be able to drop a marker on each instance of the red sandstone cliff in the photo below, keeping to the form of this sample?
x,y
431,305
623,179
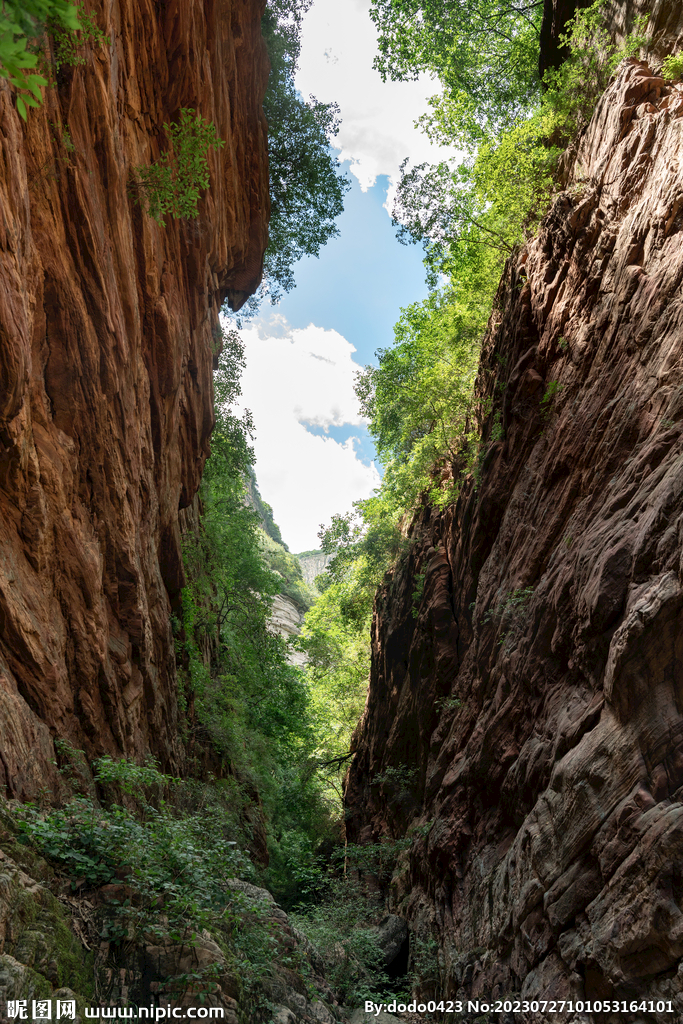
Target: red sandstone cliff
x,y
538,697
107,327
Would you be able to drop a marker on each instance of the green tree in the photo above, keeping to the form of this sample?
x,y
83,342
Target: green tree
x,y
253,703
496,196
306,188
418,398
484,52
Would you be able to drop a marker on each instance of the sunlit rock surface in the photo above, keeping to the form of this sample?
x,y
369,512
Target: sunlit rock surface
x,y
313,565
535,706
107,328
287,620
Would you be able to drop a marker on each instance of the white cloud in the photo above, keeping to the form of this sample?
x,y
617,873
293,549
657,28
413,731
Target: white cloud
x,y
377,130
295,377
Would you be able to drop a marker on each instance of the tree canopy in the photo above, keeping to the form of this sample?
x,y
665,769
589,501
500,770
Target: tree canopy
x,y
306,188
483,52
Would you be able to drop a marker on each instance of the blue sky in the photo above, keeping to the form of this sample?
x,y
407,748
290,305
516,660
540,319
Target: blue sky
x,y
314,456
357,287
362,278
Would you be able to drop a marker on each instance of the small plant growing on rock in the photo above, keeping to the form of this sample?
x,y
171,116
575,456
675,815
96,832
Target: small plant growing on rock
x,y
447,704
418,593
424,973
551,392
172,185
510,608
400,776
517,600
69,44
672,69
73,766
497,430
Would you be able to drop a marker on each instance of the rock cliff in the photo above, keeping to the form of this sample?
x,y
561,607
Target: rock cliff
x,y
108,323
533,711
286,620
313,563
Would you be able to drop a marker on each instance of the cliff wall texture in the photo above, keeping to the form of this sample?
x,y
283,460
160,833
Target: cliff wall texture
x,y
533,711
108,326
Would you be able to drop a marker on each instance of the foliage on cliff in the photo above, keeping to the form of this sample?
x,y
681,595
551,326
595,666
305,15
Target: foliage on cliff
x,y
171,186
28,63
21,23
288,567
179,847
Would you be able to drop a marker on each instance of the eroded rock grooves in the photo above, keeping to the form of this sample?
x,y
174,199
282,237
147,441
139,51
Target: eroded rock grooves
x,y
536,703
108,329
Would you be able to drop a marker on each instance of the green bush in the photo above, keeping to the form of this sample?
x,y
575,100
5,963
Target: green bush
x,y
340,926
130,777
172,185
181,860
173,866
672,69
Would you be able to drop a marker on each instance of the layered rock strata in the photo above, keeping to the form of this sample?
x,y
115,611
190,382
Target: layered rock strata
x,y
532,713
108,328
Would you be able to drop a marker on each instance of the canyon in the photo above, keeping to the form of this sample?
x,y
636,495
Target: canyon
x,y
524,721
531,714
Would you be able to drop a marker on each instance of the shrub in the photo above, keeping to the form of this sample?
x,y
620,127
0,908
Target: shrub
x,y
182,860
172,185
672,69
341,929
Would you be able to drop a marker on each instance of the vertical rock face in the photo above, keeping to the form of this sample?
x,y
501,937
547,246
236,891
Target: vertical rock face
x,y
533,712
286,620
313,564
108,325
